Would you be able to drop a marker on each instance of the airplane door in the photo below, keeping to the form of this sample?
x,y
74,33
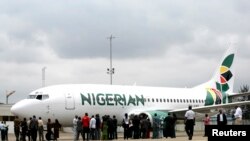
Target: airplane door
x,y
69,102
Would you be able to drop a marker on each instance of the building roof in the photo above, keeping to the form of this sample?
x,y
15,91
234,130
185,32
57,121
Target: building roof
x,y
5,110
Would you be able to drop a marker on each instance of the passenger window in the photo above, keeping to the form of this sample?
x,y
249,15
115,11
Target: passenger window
x,y
148,100
177,100
157,100
153,100
167,100
174,100
164,100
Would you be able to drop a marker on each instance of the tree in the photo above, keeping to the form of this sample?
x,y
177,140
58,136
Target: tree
x,y
246,108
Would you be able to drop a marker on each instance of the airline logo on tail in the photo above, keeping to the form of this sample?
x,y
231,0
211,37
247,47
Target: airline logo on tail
x,y
218,95
225,74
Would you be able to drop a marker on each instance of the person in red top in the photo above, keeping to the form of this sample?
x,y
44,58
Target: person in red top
x,y
206,121
85,126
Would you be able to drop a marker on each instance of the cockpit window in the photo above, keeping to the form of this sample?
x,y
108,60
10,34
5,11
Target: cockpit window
x,y
39,97
32,97
45,97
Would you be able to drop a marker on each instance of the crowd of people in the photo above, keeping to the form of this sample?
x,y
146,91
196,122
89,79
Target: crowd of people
x,y
28,129
92,127
221,119
105,127
135,126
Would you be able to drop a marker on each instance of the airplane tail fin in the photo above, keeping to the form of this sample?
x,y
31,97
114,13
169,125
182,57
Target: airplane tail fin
x,y
223,79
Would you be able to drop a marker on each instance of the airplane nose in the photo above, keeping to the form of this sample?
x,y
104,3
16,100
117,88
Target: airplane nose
x,y
19,108
26,108
15,109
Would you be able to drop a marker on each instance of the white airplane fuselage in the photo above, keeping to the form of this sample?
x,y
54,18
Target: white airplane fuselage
x,y
63,102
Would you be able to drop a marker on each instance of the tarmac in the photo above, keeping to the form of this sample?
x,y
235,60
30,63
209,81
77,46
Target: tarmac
x,y
180,136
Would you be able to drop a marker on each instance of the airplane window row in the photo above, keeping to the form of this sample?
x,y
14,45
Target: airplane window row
x,y
39,97
175,100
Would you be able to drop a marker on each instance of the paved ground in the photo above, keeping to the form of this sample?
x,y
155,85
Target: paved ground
x,y
180,136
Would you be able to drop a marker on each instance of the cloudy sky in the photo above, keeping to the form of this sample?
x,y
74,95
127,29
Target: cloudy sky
x,y
158,42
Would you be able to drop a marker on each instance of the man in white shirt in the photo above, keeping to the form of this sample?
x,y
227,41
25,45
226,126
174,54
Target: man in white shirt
x,y
92,126
75,126
40,129
238,115
189,122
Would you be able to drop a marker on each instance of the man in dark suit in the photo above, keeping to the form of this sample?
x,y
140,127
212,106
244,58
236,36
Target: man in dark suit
x,y
221,118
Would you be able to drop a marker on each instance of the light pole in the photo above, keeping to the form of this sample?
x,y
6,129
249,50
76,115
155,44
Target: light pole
x,y
43,76
8,94
111,70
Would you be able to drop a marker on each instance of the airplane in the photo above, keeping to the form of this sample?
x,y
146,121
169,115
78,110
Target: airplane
x,y
63,102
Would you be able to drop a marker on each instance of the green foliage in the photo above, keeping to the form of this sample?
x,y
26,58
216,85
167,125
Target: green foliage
x,y
246,108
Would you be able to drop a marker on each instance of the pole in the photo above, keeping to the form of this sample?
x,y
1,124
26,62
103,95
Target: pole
x,y
111,69
8,94
43,76
7,97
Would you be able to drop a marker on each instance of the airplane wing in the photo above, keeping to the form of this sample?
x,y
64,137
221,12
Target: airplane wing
x,y
233,95
207,109
211,108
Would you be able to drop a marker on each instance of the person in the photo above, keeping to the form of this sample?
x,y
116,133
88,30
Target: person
x,y
3,131
136,127
238,115
156,126
92,127
125,125
168,123
85,125
221,118
174,124
24,127
189,122
104,128
75,126
17,123
206,122
29,132
144,126
110,127
6,131
33,128
57,126
115,127
40,129
98,127
49,134
149,128
78,128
